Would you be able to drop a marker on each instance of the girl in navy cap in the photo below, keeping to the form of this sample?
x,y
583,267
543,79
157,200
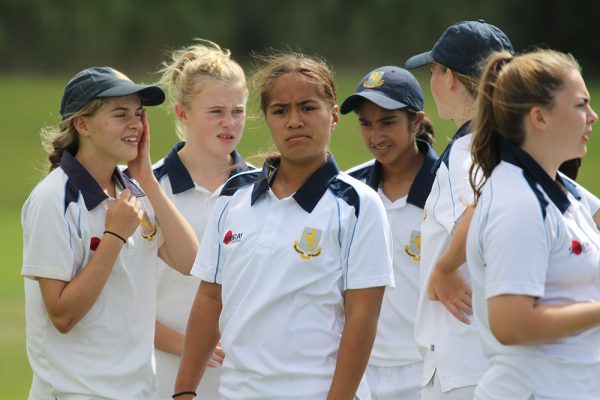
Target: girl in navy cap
x,y
453,358
208,94
389,105
295,258
534,247
91,237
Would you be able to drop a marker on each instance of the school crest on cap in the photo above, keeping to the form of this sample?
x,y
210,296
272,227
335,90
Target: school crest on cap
x,y
120,75
308,245
375,79
413,248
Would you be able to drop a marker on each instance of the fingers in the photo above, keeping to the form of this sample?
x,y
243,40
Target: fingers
x,y
458,314
217,357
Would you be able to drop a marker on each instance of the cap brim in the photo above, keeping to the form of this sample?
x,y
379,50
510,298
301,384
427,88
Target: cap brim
x,y
150,95
420,60
352,102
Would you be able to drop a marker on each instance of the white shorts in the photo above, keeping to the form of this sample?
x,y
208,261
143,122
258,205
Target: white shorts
x,y
433,391
395,383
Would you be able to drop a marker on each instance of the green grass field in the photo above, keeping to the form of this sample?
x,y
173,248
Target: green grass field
x,y
28,103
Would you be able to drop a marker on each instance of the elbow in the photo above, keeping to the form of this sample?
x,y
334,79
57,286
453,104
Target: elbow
x,y
62,324
506,336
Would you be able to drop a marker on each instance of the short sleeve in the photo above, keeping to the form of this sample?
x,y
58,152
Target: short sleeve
x,y
515,244
458,176
208,263
49,240
368,262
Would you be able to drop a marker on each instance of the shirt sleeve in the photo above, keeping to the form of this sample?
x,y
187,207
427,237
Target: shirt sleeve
x,y
515,244
458,176
368,256
50,241
208,263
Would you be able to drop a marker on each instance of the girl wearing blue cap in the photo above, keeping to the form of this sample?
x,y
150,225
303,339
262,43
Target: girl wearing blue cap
x,y
534,247
208,95
389,105
453,359
295,258
91,237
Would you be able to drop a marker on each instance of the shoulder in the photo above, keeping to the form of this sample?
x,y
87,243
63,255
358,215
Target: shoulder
x,y
353,192
50,195
361,171
159,169
241,180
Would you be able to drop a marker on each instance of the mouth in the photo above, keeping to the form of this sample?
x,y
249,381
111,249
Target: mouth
x,y
380,147
225,136
297,138
131,140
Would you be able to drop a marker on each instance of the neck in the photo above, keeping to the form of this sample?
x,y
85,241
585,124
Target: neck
x,y
465,111
542,156
206,169
291,176
398,176
101,171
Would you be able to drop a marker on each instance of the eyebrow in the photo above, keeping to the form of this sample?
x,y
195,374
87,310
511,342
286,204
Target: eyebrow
x,y
301,103
121,108
384,119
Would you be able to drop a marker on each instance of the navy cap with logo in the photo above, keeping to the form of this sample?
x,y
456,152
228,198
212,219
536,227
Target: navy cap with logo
x,y
99,82
389,87
463,46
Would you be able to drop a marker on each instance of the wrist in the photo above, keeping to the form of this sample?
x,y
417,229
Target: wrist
x,y
186,394
115,236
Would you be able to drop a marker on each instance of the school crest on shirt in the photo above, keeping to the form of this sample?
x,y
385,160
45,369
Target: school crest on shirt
x,y
148,227
413,248
374,80
308,245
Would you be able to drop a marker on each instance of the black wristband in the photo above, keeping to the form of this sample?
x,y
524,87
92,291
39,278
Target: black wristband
x,y
184,393
116,235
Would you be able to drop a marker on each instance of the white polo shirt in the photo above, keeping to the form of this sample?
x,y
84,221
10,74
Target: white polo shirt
x,y
176,292
530,238
395,342
108,353
284,265
450,348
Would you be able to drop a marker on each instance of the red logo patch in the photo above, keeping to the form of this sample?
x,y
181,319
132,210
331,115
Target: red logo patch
x,y
94,242
576,248
231,237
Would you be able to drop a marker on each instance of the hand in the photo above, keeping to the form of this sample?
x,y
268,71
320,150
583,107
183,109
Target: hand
x,y
123,216
452,291
217,357
141,167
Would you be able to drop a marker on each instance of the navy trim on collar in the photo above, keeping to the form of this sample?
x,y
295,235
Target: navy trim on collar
x,y
180,178
421,186
81,181
534,173
445,156
313,189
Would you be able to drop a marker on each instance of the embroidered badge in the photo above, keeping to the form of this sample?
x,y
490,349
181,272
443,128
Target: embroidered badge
x,y
231,237
413,248
149,228
374,80
94,243
308,246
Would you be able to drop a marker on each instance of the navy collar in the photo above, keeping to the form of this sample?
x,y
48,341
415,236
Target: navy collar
x,y
421,186
80,181
445,156
310,193
533,171
180,178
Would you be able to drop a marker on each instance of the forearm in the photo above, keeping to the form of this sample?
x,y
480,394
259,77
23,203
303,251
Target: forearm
x,y
181,245
517,320
356,343
68,302
167,339
455,255
202,335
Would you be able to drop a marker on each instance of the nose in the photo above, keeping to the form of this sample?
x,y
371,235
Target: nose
x,y
294,119
593,116
228,121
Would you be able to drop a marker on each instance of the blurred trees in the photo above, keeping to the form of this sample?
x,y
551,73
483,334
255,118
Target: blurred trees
x,y
44,36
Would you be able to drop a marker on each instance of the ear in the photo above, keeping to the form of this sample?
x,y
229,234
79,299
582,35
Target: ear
x,y
451,79
180,112
537,118
335,114
81,125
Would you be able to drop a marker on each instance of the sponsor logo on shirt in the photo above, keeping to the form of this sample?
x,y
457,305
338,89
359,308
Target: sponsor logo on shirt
x,y
231,237
577,247
94,242
413,248
308,245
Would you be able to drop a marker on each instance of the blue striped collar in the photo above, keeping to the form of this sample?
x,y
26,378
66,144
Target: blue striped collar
x,y
180,178
535,173
81,181
310,192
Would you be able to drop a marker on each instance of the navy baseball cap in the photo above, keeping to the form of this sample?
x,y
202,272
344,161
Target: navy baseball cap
x,y
389,87
463,46
98,82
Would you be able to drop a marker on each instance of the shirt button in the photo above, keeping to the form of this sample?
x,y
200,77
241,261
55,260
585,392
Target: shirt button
x,y
432,347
